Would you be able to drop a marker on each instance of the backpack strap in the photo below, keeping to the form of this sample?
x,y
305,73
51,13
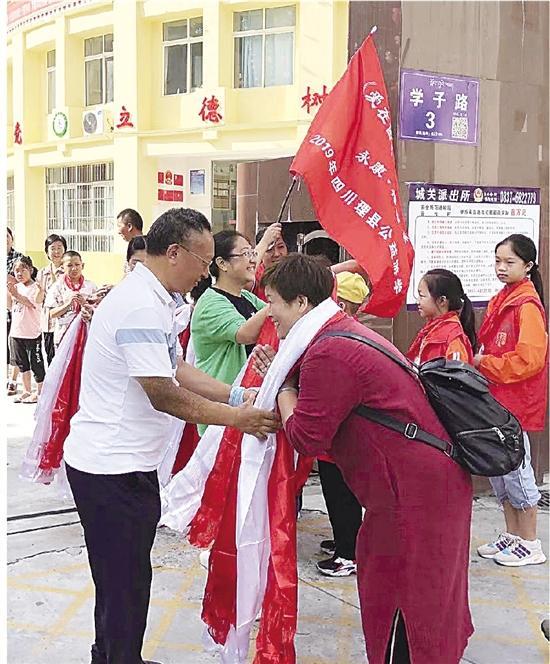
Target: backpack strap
x,y
408,366
410,430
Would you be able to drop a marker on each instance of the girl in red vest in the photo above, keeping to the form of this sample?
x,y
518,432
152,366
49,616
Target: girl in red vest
x,y
450,328
513,356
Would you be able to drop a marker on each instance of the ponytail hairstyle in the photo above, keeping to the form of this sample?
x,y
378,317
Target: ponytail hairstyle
x,y
224,243
444,283
525,249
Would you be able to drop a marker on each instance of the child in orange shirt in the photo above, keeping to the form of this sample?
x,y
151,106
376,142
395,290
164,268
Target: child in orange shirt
x,y
450,328
514,357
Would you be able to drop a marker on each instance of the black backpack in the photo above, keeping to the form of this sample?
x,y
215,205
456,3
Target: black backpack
x,y
486,438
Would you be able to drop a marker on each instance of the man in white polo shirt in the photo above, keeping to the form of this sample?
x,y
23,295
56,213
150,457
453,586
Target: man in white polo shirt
x,y
130,385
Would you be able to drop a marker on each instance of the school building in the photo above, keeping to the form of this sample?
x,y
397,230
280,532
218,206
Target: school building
x,y
151,104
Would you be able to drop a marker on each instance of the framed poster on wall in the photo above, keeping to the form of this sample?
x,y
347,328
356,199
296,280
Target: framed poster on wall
x,y
196,182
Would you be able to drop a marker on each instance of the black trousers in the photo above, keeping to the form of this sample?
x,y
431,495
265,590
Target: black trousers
x,y
49,346
397,651
119,515
344,510
27,355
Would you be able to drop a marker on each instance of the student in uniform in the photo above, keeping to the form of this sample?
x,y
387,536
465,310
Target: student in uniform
x,y
513,355
450,326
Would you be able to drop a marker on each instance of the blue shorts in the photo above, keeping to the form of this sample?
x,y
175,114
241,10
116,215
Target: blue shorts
x,y
518,487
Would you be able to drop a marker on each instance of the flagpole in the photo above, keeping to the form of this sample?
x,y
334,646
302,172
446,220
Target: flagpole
x,y
285,201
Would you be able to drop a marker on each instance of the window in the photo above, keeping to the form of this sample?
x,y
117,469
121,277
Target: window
x,y
50,65
182,45
264,47
10,203
98,69
80,205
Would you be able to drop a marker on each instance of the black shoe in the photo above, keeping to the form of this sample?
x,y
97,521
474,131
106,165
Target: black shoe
x,y
337,566
328,546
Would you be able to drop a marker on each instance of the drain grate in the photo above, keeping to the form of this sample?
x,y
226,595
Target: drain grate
x,y
544,502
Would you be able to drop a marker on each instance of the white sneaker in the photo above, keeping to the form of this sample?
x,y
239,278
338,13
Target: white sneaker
x,y
521,553
503,541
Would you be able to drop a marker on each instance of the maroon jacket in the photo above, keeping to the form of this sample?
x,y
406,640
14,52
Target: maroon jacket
x,y
413,547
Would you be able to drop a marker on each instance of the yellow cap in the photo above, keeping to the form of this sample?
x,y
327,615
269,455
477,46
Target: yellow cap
x,y
352,287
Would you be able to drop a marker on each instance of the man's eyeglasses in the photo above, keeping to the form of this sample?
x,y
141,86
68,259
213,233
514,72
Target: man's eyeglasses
x,y
202,260
247,253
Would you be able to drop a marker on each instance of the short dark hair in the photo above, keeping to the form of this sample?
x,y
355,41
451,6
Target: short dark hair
x,y
299,274
174,227
54,238
136,244
130,216
9,231
72,254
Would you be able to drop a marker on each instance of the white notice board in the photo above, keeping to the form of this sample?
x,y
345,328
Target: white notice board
x,y
456,227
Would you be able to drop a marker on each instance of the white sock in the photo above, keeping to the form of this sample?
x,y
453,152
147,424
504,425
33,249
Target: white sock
x,y
535,542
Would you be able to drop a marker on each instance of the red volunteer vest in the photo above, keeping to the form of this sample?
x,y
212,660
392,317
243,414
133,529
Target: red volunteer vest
x,y
499,334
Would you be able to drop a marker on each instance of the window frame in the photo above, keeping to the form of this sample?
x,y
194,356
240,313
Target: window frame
x,y
104,56
50,69
183,41
263,32
74,194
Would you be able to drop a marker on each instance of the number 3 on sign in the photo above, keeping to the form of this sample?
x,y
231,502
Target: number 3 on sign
x,y
430,116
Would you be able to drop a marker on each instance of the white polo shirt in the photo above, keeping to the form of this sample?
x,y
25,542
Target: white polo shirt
x,y
132,333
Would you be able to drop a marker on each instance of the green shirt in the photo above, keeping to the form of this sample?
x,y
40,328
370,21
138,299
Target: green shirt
x,y
214,326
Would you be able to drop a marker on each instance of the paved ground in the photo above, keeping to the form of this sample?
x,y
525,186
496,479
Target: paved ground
x,y
50,597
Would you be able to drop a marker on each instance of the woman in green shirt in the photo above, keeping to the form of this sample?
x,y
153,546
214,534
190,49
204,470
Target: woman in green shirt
x,y
227,317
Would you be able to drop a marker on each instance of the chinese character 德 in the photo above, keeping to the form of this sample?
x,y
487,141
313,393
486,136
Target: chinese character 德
x,y
124,119
209,110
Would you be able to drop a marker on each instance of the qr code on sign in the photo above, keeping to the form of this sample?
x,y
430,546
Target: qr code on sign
x,y
459,128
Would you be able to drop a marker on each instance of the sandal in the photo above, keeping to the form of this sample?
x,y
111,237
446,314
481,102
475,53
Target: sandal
x,y
32,398
21,397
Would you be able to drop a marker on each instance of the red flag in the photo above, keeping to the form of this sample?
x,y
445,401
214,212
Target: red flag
x,y
348,164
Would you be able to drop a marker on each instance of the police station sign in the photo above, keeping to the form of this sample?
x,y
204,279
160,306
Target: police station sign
x,y
456,227
435,107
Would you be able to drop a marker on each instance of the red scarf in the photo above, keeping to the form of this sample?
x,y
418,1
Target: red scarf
x,y
65,405
215,524
75,287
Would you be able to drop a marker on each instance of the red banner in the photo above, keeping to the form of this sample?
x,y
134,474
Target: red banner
x,y
348,164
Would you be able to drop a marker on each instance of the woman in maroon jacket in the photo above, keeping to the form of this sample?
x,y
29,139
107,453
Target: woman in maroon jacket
x,y
413,547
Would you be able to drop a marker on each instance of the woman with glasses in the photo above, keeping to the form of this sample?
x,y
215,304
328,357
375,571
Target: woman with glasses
x,y
227,317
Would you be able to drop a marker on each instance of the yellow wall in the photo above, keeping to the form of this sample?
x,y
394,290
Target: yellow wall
x,y
257,123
